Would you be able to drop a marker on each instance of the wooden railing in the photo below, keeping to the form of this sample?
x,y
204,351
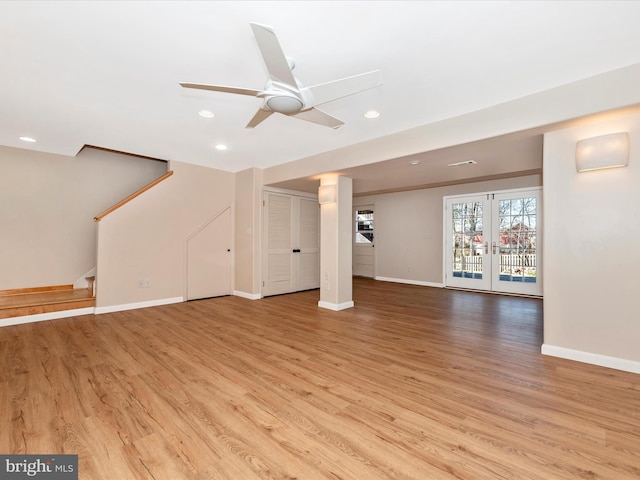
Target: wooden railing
x,y
99,217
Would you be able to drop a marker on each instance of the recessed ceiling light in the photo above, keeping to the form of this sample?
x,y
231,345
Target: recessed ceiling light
x,y
415,162
220,146
206,113
372,114
462,164
28,139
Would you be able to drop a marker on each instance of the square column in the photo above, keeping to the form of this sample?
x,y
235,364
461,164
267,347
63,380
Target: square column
x,y
336,289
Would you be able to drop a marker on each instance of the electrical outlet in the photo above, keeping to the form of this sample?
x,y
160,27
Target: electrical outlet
x,y
144,283
140,283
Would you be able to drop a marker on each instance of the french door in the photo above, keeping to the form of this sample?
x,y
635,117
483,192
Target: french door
x,y
493,242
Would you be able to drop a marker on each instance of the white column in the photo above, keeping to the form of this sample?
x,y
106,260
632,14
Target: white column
x,y
335,246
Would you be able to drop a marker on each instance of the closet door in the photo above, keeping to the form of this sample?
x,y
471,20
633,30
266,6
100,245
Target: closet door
x,y
307,260
279,274
292,243
209,259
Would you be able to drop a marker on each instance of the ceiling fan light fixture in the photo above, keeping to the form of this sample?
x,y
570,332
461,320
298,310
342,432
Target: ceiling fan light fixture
x,y
285,104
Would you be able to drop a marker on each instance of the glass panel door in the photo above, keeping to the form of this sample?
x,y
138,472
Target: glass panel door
x,y
516,242
492,242
468,261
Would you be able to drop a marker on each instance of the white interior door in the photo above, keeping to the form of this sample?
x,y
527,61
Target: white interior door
x,y
492,242
292,243
364,241
307,259
209,259
279,275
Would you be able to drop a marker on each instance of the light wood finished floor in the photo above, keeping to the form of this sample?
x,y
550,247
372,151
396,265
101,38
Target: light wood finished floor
x,y
412,383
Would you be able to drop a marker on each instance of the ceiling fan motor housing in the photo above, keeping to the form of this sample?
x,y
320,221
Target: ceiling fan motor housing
x,y
284,103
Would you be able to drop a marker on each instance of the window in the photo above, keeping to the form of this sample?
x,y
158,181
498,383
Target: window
x,y
364,226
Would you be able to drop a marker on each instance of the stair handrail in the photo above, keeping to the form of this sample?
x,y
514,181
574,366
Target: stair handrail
x,y
99,217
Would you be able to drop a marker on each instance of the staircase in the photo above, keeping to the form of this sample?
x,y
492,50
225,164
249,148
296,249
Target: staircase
x,y
32,301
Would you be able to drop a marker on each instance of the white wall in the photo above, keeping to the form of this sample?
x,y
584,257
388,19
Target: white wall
x,y
146,238
592,252
336,290
607,91
47,205
409,228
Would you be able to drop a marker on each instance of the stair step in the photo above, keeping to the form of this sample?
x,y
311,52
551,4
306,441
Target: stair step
x,y
45,302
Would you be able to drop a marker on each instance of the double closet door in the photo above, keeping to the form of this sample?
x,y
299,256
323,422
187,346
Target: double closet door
x,y
493,242
291,243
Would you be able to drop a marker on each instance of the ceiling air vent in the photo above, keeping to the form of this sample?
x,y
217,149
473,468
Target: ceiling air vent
x,y
462,164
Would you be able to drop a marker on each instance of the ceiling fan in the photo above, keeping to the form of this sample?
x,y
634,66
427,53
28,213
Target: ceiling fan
x,y
285,94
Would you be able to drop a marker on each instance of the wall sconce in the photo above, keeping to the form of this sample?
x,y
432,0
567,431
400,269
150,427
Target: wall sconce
x,y
326,194
605,151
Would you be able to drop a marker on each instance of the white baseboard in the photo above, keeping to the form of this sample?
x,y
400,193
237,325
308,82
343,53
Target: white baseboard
x,y
591,358
250,296
133,306
40,317
410,282
336,307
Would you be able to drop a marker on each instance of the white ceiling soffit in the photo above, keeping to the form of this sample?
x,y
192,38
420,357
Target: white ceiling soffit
x,y
107,73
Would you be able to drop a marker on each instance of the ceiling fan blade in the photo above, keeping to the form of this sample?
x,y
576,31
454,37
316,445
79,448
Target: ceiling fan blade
x,y
222,88
258,118
326,92
318,116
273,56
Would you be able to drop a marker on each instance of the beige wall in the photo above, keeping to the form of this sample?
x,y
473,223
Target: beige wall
x,y
47,205
145,239
591,254
248,231
409,228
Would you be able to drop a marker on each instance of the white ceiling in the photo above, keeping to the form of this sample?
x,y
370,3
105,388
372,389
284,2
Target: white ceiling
x,y
106,73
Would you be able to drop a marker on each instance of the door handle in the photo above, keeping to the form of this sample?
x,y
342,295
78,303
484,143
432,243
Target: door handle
x,y
296,250
494,248
486,248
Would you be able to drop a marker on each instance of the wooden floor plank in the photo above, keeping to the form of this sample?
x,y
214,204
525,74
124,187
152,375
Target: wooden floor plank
x,y
412,383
